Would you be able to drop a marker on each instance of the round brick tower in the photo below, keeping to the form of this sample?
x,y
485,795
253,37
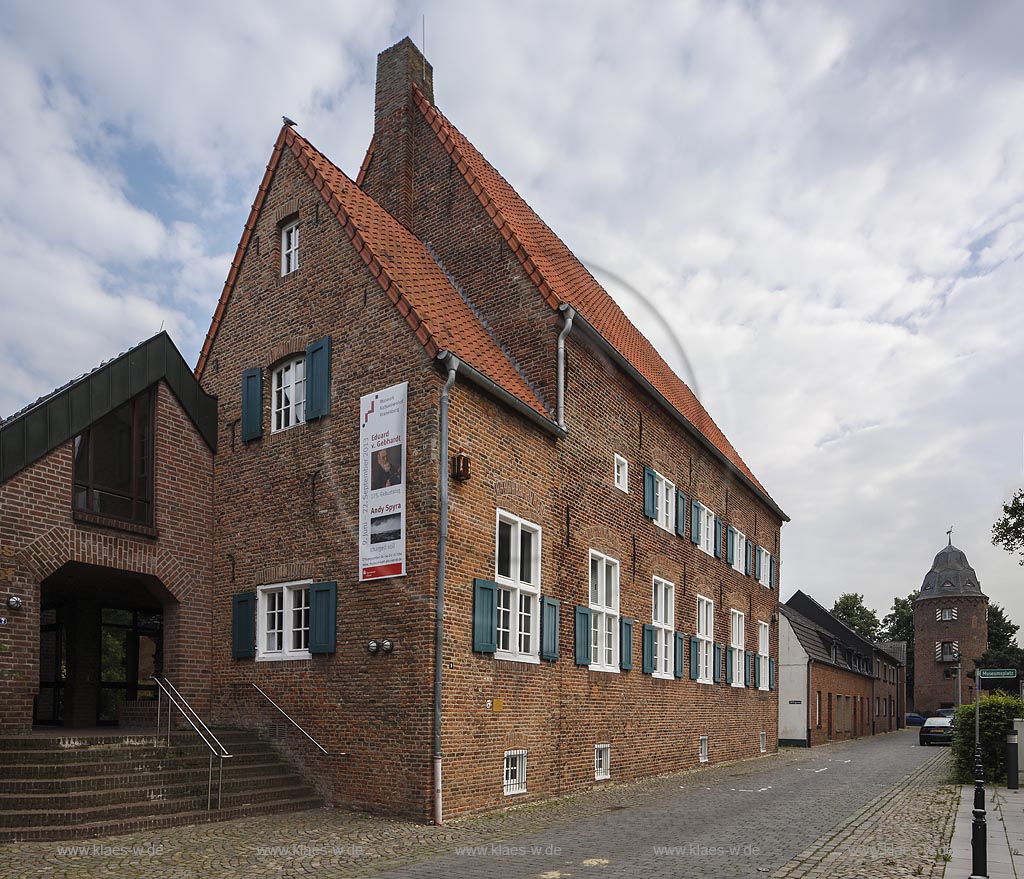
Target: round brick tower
x,y
950,626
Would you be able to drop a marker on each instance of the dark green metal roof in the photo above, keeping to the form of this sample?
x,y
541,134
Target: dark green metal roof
x,y
52,420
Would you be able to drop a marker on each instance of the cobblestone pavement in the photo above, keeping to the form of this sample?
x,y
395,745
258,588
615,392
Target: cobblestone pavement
x,y
835,808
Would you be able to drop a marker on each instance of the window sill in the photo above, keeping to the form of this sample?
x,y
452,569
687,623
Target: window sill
x,y
608,669
110,522
283,657
664,528
513,657
705,681
662,676
602,777
738,686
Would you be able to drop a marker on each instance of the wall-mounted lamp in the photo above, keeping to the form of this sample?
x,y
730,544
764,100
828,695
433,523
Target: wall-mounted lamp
x,y
381,645
387,645
14,602
460,466
373,646
775,617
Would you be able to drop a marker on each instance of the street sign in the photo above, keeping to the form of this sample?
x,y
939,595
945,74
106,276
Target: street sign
x,y
988,673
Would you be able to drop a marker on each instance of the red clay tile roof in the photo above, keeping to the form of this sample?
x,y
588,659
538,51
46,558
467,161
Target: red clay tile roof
x,y
562,278
405,270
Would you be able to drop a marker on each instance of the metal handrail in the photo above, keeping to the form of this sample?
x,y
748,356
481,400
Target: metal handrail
x,y
216,748
289,718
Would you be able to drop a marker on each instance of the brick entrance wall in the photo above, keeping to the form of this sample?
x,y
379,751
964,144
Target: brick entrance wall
x,y
38,535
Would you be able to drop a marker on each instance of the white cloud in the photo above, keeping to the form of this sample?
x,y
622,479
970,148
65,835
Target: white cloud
x,y
827,200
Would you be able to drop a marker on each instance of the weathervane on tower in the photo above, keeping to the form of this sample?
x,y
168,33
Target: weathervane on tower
x,y
949,534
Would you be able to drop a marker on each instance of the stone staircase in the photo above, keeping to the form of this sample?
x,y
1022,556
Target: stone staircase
x,y
71,786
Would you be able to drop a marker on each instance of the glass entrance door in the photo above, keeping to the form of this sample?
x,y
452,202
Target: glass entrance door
x,y
53,669
131,652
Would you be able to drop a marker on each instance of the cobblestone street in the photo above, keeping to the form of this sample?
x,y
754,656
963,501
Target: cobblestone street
x,y
878,806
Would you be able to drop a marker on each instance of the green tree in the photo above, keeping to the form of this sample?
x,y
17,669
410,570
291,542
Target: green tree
x,y
898,625
1002,631
1010,656
1008,531
850,608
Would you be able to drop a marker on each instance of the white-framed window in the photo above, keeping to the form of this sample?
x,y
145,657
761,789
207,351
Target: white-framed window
x,y
602,761
762,652
282,614
705,639
664,503
702,749
517,573
739,551
290,248
736,641
515,772
766,564
604,612
289,394
764,742
664,619
706,529
621,474
946,614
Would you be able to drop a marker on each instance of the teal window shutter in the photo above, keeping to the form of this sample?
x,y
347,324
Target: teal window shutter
x,y
252,404
728,664
718,538
582,635
757,671
323,609
717,672
771,674
694,661
485,616
746,564
730,545
771,572
318,378
649,488
679,641
648,649
626,644
243,625
680,514
548,628
757,563
750,664
694,521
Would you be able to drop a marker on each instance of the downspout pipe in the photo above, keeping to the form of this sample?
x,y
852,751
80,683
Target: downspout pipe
x,y
452,364
570,313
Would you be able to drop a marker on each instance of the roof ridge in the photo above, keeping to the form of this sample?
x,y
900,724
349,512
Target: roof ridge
x,y
562,278
486,325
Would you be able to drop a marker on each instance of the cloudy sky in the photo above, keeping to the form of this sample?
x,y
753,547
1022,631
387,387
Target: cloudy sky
x,y
825,202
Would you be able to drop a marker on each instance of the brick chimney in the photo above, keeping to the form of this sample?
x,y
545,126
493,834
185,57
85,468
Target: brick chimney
x,y
389,177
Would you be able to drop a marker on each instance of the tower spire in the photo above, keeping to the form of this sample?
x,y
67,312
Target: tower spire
x,y
949,534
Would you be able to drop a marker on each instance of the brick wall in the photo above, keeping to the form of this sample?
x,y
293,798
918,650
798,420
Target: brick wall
x,y
932,689
885,710
831,683
38,535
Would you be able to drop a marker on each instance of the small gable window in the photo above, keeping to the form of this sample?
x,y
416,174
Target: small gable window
x,y
113,467
289,394
289,247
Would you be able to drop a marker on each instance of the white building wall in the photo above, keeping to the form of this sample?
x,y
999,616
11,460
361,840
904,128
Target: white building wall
x,y
792,685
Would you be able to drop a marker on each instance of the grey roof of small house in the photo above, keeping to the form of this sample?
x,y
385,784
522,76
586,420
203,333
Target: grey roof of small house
x,y
950,575
39,428
817,641
896,649
821,616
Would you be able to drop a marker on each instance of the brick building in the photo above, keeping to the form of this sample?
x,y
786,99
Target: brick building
x,y
825,679
106,541
950,632
471,532
890,706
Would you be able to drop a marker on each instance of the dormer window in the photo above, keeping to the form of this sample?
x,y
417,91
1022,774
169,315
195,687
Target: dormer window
x,y
113,467
289,248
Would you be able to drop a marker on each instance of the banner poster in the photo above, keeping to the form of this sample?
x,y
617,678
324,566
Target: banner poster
x,y
382,483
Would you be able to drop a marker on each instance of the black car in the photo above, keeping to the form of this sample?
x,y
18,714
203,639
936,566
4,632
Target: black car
x,y
937,730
